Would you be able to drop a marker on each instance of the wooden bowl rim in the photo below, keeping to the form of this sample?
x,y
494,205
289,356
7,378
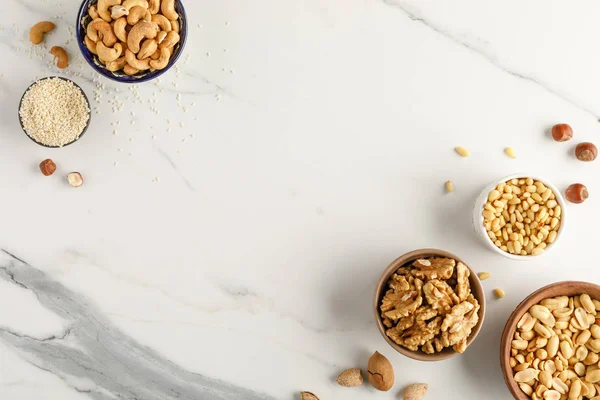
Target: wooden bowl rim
x,y
476,289
564,288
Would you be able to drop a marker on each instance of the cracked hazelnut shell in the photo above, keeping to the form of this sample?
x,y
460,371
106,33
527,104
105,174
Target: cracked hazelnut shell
x,y
586,151
577,193
562,132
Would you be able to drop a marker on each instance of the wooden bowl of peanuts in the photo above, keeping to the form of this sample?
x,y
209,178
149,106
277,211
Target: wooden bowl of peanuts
x,y
429,305
551,344
520,216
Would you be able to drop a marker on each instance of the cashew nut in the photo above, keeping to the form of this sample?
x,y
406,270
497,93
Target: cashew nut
x,y
116,65
129,4
162,21
36,33
90,44
103,6
129,70
163,60
62,58
119,28
175,25
148,48
141,30
118,11
161,36
93,12
154,6
100,29
108,54
168,9
171,40
155,55
137,13
141,65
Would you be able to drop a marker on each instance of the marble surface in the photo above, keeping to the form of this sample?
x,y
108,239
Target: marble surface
x,y
237,214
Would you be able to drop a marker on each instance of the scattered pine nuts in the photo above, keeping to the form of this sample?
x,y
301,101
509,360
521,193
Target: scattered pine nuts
x,y
462,151
449,187
510,152
484,275
499,293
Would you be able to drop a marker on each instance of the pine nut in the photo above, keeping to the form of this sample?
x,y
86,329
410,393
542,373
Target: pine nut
x,y
510,152
449,187
495,225
517,246
462,151
536,197
500,294
537,251
484,275
488,215
557,211
551,237
494,194
511,248
551,203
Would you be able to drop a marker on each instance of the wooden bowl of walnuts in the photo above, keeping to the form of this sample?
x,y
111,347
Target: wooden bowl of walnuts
x,y
551,343
429,305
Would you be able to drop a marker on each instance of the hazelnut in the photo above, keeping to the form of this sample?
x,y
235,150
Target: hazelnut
x,y
577,193
562,132
586,151
75,179
47,167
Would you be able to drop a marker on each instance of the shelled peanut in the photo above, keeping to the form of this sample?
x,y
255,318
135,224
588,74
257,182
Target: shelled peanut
x,y
522,216
555,349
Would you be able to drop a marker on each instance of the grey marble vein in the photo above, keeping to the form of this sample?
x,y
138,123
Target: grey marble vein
x,y
177,171
414,16
94,349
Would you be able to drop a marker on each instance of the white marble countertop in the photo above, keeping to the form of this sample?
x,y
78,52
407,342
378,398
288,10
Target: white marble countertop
x,y
227,246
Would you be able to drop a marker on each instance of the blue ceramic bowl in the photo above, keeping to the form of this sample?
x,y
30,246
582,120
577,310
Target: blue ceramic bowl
x,y
83,19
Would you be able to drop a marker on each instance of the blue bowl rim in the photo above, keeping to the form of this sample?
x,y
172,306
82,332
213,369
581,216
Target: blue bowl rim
x,y
84,96
88,56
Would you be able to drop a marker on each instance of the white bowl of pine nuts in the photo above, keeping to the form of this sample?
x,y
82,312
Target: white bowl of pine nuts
x,y
520,216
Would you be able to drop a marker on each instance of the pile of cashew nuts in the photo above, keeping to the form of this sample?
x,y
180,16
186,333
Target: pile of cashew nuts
x,y
133,35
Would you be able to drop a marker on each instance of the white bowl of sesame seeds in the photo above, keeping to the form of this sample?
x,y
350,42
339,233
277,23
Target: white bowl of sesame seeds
x,y
54,112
